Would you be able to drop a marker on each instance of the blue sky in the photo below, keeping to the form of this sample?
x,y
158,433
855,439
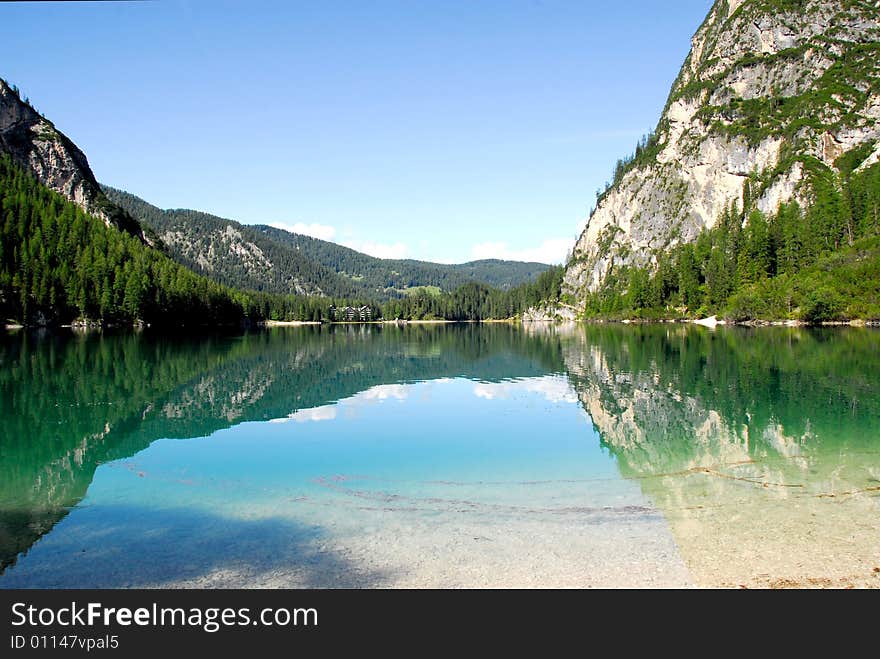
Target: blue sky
x,y
443,131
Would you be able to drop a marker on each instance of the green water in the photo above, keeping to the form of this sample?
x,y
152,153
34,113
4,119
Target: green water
x,y
459,455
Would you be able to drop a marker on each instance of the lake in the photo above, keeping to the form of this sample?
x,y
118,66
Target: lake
x,y
376,456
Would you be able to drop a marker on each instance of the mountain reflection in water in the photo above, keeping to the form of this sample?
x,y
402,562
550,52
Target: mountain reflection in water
x,y
760,447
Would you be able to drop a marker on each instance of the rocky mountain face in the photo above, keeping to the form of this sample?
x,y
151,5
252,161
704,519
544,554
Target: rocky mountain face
x,y
773,95
211,253
35,144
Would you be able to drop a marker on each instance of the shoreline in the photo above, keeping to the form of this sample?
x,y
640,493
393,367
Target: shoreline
x,y
708,322
287,323
712,322
434,321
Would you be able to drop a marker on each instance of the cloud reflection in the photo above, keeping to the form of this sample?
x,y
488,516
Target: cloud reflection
x,y
554,389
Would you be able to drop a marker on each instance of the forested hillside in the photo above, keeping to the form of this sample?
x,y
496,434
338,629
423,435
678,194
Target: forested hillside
x,y
71,251
234,254
264,258
815,264
400,274
57,263
474,301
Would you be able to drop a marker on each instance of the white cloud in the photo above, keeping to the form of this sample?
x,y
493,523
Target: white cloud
x,y
490,391
552,388
552,250
315,230
396,250
323,413
379,250
384,392
372,395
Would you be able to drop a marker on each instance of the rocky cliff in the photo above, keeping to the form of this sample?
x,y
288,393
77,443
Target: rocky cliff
x,y
771,96
35,144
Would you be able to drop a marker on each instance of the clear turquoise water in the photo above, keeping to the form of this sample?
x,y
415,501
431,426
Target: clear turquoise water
x,y
436,456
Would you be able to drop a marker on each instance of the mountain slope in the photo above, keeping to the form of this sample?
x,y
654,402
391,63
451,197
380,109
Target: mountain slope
x,y
776,99
58,263
67,252
34,144
265,258
234,254
401,274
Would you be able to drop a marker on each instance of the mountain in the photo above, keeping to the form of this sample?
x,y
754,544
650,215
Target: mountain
x,y
264,258
234,254
34,144
71,251
402,274
777,103
68,253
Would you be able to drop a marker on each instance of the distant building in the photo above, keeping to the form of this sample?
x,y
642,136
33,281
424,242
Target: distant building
x,y
351,314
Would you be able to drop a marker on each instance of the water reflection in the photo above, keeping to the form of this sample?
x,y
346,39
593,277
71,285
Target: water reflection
x,y
761,449
761,446
69,403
